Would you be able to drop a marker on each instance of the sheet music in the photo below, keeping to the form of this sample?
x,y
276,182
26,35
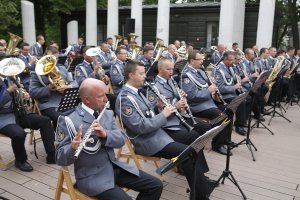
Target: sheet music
x,y
70,100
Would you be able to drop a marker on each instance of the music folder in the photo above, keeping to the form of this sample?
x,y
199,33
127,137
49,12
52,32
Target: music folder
x,y
70,100
196,146
260,80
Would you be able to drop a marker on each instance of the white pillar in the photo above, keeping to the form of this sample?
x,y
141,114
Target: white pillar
x,y
163,20
299,29
72,32
231,27
112,18
137,14
28,22
265,23
91,22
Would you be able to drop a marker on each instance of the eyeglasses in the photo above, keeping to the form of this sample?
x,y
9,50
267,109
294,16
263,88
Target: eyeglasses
x,y
198,59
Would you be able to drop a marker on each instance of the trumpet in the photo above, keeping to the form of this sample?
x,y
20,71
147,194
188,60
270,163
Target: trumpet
x,y
187,107
88,134
166,103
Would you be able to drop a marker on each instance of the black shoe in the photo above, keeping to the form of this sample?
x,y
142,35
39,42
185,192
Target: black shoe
x,y
240,130
260,118
266,112
50,159
23,166
213,183
221,150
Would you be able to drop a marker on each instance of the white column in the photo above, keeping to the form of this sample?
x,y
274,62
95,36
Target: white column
x,y
163,20
265,23
299,29
231,27
91,22
72,32
137,14
112,18
209,36
28,22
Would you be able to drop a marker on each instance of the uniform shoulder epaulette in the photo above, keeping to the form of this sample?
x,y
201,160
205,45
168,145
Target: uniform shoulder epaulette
x,y
68,112
124,93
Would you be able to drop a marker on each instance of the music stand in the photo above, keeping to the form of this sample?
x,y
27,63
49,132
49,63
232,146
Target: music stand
x,y
276,104
254,90
295,87
70,100
191,151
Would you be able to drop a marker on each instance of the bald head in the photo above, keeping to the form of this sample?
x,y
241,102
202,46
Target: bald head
x,y
89,85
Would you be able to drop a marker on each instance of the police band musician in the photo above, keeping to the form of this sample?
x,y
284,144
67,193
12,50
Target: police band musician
x,y
146,129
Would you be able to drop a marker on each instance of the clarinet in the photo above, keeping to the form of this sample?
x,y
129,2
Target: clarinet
x,y
235,80
187,107
88,134
178,115
218,93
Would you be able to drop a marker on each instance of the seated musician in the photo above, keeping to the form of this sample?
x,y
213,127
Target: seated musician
x,y
106,57
175,128
172,53
47,93
147,57
14,119
217,54
145,128
117,70
86,69
228,83
97,171
29,62
194,82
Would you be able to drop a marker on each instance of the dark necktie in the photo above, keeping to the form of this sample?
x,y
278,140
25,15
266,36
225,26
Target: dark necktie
x,y
27,58
96,114
92,66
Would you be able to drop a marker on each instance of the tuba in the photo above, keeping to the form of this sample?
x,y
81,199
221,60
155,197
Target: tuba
x,y
118,39
12,44
93,52
160,50
158,43
135,51
11,67
47,65
132,37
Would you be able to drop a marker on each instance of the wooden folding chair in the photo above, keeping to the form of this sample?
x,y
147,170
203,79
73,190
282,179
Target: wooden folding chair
x,y
130,154
35,109
109,87
68,188
5,165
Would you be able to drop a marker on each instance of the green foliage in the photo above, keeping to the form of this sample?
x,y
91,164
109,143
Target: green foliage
x,y
10,18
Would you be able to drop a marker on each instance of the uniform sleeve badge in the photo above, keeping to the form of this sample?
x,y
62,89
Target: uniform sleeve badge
x,y
78,73
151,97
114,71
217,77
127,110
186,80
60,135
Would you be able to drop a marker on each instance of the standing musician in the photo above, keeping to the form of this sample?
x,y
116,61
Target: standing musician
x,y
106,57
37,49
13,122
98,173
217,54
117,70
29,64
289,81
145,130
86,69
230,86
194,82
46,93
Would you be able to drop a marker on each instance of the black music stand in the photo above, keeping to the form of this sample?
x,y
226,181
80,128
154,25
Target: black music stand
x,y
295,88
254,90
276,104
191,151
230,110
70,100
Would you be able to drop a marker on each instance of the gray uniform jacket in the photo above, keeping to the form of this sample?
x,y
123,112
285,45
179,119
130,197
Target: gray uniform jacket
x,y
167,89
262,64
94,167
239,70
249,68
25,77
104,59
224,81
142,125
83,71
38,89
7,115
194,83
36,51
117,76
215,57
147,62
